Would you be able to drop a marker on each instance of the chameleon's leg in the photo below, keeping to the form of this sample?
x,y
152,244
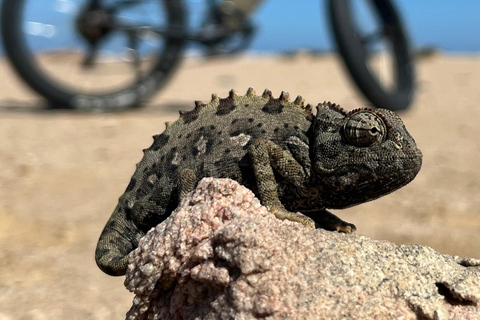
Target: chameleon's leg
x,y
266,156
328,221
188,181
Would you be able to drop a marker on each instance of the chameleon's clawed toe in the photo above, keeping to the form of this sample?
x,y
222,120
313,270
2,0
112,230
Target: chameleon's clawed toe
x,y
306,221
346,227
283,214
324,219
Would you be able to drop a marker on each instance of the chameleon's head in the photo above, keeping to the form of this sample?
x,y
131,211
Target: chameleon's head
x,y
361,155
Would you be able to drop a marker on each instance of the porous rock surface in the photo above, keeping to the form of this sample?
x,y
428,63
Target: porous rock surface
x,y
221,255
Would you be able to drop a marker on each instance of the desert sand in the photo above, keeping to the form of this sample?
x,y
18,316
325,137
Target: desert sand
x,y
62,172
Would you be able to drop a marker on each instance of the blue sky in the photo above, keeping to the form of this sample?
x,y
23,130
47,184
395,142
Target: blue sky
x,y
451,25
286,25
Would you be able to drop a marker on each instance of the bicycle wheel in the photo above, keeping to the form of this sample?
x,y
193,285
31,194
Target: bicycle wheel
x,y
93,54
372,42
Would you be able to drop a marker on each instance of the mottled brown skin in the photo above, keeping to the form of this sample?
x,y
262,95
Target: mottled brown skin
x,y
297,163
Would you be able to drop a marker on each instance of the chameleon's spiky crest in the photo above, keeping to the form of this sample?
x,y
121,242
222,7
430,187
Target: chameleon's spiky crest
x,y
267,94
284,96
299,101
168,124
226,105
333,106
232,94
199,105
189,116
351,113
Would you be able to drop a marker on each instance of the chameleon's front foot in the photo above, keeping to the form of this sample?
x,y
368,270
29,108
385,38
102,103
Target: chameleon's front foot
x,y
283,214
328,221
345,227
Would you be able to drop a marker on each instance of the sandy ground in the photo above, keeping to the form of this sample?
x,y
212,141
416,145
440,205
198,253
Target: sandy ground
x,y
62,172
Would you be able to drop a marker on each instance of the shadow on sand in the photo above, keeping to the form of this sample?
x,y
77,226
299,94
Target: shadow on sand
x,y
43,107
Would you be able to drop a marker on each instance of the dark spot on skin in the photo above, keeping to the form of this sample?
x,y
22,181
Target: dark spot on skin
x,y
219,132
210,143
263,131
190,116
212,127
246,104
141,192
225,106
149,214
159,141
295,127
184,157
202,129
285,125
250,120
276,130
260,125
234,121
227,150
195,152
103,252
179,137
171,205
273,106
189,135
131,185
162,158
116,258
128,211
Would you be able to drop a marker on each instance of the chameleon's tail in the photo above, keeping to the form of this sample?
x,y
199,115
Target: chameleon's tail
x,y
119,237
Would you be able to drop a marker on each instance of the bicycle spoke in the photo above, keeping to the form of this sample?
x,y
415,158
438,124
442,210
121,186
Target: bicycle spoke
x,y
172,32
90,56
133,54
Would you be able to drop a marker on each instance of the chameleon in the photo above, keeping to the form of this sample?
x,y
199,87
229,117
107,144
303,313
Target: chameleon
x,y
299,164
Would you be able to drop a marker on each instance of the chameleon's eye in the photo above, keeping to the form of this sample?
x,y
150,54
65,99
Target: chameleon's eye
x,y
364,129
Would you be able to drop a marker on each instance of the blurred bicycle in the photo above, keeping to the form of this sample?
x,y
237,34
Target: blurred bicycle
x,y
67,50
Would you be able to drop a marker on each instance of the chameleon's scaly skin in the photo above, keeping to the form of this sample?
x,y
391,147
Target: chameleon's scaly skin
x,y
293,160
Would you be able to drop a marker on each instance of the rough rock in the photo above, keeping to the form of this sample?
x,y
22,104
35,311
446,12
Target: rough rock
x,y
221,255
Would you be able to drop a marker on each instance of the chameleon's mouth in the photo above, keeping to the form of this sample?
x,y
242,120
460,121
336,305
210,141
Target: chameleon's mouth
x,y
349,185
396,164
